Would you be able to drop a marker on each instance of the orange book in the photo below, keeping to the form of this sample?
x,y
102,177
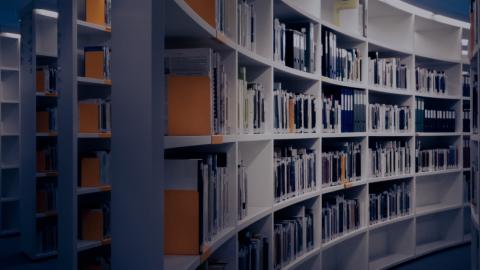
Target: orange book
x,y
43,121
182,222
88,117
94,64
205,9
40,81
42,205
90,172
95,11
189,105
41,161
343,169
291,114
92,224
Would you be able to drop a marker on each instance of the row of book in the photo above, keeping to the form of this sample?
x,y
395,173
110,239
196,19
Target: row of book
x,y
430,81
391,203
197,89
431,118
387,72
338,63
46,197
293,113
46,79
292,238
466,152
95,169
95,222
345,112
466,85
389,118
342,166
242,191
467,116
246,17
294,172
251,105
437,159
390,158
46,237
197,186
47,120
47,158
98,62
294,45
339,216
94,116
253,251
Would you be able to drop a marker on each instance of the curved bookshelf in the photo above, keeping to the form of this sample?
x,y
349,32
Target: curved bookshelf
x,y
435,211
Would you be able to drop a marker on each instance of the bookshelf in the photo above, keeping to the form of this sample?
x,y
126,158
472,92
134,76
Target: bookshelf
x,y
10,137
437,218
39,172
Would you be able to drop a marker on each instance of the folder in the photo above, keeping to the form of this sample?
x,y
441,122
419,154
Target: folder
x,y
95,62
95,11
90,172
92,224
181,230
189,105
205,9
88,121
43,121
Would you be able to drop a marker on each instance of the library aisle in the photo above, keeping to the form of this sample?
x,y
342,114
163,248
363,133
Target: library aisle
x,y
239,134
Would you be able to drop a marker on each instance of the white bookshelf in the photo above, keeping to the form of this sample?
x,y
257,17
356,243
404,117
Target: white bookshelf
x,y
9,134
437,218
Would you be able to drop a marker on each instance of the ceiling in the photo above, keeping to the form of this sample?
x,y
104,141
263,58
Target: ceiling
x,y
457,9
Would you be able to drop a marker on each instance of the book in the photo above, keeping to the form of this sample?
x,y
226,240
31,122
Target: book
x,y
434,117
97,62
431,81
340,63
253,252
246,23
435,159
344,111
95,169
47,158
387,72
293,113
466,84
47,120
389,158
46,197
92,224
389,118
294,172
340,215
343,165
197,96
212,11
46,79
390,203
94,116
242,191
196,203
98,12
251,105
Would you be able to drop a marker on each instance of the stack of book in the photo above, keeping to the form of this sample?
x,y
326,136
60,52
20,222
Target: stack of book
x,y
292,238
294,45
342,166
339,216
46,79
246,17
293,113
196,202
390,158
251,105
242,191
466,152
430,81
430,160
389,118
197,92
345,112
253,251
294,172
390,203
337,63
95,115
431,118
387,72
47,159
